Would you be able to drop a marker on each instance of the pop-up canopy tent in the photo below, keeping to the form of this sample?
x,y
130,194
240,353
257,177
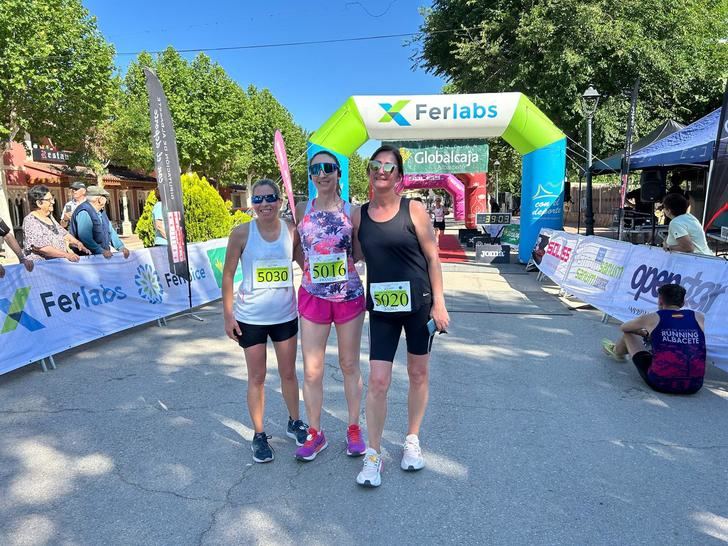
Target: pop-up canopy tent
x,y
689,146
613,163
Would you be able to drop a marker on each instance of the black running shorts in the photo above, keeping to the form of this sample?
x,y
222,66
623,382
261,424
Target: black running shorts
x,y
385,331
254,334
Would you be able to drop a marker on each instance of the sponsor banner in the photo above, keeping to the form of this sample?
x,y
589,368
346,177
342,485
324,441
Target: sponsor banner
x,y
511,235
63,304
622,279
492,254
596,269
554,252
166,164
279,147
705,281
716,202
481,115
443,156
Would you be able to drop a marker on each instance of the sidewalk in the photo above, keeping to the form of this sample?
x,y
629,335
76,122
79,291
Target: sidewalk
x,y
532,436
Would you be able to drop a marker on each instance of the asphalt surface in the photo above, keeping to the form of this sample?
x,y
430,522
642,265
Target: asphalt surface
x,y
531,437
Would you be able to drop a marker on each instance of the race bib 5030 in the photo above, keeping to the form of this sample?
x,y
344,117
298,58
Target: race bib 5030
x,y
272,274
391,297
326,268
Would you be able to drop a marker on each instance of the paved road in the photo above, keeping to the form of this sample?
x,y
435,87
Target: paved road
x,y
532,437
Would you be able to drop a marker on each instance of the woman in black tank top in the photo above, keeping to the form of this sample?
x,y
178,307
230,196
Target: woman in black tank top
x,y
404,289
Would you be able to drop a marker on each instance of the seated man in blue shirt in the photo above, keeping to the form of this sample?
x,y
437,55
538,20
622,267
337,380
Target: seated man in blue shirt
x,y
91,226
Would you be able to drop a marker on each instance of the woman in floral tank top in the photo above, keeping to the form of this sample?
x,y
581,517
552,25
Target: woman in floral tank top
x,y
331,292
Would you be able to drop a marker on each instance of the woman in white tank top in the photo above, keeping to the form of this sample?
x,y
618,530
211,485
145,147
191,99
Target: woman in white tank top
x,y
264,306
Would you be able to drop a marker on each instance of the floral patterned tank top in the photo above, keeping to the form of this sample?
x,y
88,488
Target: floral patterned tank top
x,y
328,266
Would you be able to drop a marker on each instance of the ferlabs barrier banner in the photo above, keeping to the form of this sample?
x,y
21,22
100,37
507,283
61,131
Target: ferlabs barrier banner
x,y
622,279
63,304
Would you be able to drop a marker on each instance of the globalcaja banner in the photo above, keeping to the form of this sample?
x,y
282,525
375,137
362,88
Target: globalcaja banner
x,y
443,156
61,304
622,279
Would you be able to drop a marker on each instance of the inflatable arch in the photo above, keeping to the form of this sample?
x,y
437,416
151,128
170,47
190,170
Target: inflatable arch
x,y
448,182
511,116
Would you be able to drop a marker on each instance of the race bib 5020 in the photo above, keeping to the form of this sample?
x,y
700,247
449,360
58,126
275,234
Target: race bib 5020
x,y
391,297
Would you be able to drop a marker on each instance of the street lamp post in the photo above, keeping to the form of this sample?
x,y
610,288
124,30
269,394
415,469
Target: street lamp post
x,y
589,102
496,168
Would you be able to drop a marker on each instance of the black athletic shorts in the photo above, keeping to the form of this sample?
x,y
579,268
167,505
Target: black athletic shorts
x,y
384,333
254,334
643,360
439,225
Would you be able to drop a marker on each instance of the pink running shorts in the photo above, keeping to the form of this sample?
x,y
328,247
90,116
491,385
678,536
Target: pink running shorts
x,y
323,311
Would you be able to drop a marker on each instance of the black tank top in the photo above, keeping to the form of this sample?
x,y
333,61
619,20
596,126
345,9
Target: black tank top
x,y
393,253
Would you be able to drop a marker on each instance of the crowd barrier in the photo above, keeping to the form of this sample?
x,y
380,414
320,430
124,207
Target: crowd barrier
x,y
621,279
60,304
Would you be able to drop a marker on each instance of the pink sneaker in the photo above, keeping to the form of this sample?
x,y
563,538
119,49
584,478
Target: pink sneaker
x,y
355,446
314,444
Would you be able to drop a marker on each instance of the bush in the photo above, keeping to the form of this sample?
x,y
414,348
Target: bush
x,y
207,216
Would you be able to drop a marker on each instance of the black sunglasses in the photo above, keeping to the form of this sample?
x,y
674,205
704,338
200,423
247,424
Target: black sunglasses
x,y
268,198
375,165
327,168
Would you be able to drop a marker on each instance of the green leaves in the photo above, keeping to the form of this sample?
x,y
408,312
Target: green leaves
x,y
55,70
222,131
552,50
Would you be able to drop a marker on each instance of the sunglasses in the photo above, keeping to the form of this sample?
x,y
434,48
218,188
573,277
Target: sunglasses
x,y
327,168
268,198
376,165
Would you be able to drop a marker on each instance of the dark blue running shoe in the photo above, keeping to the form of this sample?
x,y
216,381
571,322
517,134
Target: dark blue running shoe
x,y
262,452
298,430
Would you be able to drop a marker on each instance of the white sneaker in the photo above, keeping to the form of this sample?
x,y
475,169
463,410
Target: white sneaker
x,y
371,474
412,455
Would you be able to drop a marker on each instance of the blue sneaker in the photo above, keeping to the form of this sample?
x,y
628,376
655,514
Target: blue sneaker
x,y
298,430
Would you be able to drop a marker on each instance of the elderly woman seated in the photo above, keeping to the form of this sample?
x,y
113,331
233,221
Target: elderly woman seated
x,y
684,234
44,238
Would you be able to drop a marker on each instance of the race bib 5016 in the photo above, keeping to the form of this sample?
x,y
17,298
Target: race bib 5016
x,y
391,297
272,274
326,268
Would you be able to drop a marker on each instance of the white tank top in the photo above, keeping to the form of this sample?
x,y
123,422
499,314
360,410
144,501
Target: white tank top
x,y
266,294
439,214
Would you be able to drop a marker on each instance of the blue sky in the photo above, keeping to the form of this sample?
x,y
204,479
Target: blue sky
x,y
311,81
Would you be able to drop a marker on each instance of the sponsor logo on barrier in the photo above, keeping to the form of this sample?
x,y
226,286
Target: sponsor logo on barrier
x,y
16,314
393,113
148,284
216,256
700,294
84,298
562,253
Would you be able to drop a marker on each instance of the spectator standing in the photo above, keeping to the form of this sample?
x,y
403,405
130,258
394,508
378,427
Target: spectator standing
x,y
685,233
7,236
92,226
79,196
158,215
44,238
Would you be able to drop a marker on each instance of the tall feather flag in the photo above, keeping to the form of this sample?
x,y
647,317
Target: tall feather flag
x,y
279,147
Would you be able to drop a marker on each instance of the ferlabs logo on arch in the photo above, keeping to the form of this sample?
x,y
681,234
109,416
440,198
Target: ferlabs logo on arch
x,y
394,113
16,314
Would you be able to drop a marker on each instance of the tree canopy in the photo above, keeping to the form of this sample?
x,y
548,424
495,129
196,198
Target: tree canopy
x,y
222,131
55,70
552,51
